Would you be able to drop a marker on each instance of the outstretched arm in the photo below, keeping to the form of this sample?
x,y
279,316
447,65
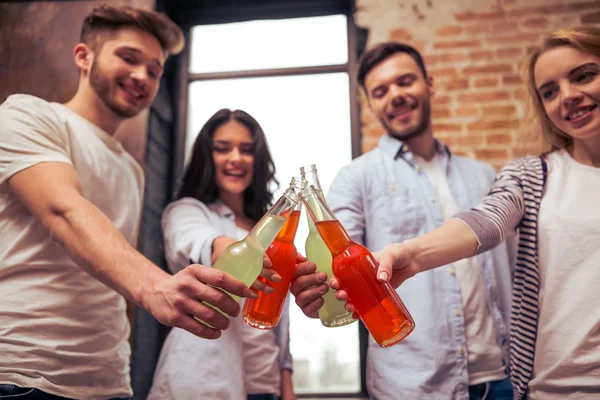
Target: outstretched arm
x,y
52,193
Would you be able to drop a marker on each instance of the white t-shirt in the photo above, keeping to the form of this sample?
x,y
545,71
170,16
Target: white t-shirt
x,y
484,355
567,351
61,330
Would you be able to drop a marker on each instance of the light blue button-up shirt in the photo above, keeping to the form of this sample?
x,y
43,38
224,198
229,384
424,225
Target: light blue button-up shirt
x,y
383,197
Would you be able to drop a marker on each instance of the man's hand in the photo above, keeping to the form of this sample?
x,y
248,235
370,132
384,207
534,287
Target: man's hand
x,y
177,299
266,274
396,265
308,287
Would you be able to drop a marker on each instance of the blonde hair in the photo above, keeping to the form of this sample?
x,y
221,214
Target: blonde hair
x,y
107,19
583,38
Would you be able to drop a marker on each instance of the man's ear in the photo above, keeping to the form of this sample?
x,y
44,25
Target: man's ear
x,y
430,85
84,57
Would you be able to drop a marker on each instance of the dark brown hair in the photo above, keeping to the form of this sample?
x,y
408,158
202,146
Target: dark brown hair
x,y
199,177
106,20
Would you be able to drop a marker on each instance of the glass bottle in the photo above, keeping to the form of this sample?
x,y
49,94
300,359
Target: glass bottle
x,y
377,303
244,259
333,312
265,311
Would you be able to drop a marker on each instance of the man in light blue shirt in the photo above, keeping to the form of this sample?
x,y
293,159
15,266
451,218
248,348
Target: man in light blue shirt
x,y
410,184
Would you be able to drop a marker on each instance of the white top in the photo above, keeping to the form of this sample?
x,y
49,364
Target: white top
x,y
61,330
567,353
484,355
244,360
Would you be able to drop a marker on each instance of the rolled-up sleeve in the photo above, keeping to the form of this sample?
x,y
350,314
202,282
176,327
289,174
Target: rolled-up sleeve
x,y
188,233
500,212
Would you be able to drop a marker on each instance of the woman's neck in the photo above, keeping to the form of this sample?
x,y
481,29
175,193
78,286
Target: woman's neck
x,y
586,152
236,203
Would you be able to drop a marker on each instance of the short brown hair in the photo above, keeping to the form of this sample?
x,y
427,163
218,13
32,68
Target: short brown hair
x,y
109,19
586,39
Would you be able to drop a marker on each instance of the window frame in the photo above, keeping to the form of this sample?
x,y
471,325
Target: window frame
x,y
183,78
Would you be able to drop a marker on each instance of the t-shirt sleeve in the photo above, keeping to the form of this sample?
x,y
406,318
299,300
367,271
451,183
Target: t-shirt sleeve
x,y
30,133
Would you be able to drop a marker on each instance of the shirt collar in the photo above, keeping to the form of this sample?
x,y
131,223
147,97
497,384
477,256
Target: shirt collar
x,y
397,148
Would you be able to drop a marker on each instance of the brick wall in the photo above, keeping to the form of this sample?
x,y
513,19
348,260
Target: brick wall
x,y
474,50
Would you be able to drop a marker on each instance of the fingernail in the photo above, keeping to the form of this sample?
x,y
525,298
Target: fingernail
x,y
276,278
321,277
383,276
324,289
253,295
269,289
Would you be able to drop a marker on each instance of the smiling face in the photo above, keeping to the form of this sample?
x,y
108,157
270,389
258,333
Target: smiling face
x,y
126,71
233,157
399,95
568,84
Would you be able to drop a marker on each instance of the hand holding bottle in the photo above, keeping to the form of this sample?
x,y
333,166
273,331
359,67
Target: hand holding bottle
x,y
308,287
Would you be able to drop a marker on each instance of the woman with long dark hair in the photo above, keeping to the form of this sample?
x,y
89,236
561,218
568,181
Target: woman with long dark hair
x,y
226,188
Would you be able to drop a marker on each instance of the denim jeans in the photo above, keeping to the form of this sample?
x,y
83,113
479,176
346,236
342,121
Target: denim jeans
x,y
13,392
263,397
495,390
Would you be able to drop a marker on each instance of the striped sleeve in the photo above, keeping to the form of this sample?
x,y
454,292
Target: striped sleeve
x,y
500,212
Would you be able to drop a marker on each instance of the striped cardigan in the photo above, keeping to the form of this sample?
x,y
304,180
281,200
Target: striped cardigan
x,y
513,203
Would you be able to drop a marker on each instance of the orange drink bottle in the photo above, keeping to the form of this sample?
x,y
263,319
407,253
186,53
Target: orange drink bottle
x,y
377,303
265,312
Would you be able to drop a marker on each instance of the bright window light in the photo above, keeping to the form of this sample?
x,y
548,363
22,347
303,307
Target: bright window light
x,y
267,44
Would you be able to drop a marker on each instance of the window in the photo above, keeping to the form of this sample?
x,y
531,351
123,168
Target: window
x,y
293,76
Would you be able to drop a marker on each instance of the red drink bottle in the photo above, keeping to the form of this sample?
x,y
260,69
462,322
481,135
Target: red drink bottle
x,y
377,303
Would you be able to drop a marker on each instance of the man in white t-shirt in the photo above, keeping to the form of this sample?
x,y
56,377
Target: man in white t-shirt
x,y
70,205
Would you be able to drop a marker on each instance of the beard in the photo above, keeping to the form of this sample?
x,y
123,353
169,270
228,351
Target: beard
x,y
421,127
100,83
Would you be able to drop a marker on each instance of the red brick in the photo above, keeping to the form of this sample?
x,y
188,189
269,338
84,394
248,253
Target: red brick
x,y
487,69
457,84
512,80
400,35
500,138
443,58
503,111
485,82
587,5
447,127
373,130
466,111
485,125
478,29
469,140
443,72
552,9
488,154
512,39
457,44
479,16
486,55
510,52
440,112
536,23
437,100
521,94
522,151
505,27
592,18
483,96
449,30
462,153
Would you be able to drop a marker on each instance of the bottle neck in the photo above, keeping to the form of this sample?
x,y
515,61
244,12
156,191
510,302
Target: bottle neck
x,y
265,231
334,235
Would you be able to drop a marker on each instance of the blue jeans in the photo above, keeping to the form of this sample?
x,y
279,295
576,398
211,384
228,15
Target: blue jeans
x,y
495,390
13,392
262,397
